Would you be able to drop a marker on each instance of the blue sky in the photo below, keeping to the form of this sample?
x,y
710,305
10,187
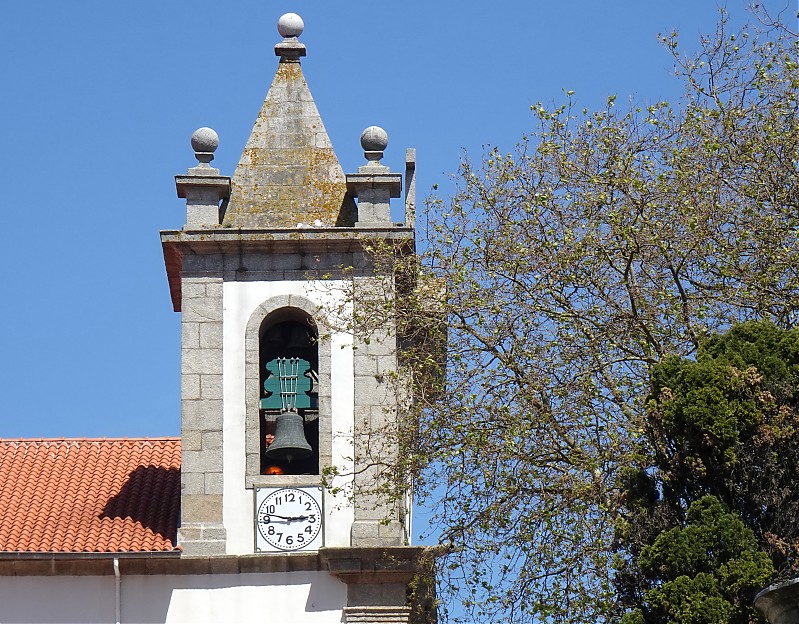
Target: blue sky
x,y
98,103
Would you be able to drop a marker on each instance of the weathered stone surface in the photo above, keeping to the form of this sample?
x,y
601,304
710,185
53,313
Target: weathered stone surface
x,y
190,386
376,594
211,335
213,533
201,508
191,533
410,187
201,310
191,440
201,361
192,482
195,288
377,615
202,547
365,365
212,440
190,335
201,415
200,462
214,483
201,266
288,173
210,386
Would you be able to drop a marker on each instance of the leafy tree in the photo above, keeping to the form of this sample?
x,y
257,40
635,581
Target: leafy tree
x,y
706,572
722,437
605,243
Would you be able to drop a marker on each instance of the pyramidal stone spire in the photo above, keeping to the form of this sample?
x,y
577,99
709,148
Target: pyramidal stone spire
x,y
289,175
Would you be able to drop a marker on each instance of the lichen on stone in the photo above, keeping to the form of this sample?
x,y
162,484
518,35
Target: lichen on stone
x,y
288,173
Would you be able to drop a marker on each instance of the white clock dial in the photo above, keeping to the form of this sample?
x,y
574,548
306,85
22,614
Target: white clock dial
x,y
289,519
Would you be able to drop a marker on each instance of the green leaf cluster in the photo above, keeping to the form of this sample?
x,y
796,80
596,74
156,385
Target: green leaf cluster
x,y
705,572
713,509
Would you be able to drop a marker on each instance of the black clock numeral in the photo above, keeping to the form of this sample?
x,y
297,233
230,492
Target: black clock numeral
x,y
270,530
290,497
289,540
312,518
309,529
279,537
308,506
300,538
270,509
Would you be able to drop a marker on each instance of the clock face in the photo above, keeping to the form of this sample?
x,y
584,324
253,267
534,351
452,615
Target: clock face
x,y
289,519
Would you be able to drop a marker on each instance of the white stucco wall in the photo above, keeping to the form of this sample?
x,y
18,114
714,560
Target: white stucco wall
x,y
240,300
285,598
65,599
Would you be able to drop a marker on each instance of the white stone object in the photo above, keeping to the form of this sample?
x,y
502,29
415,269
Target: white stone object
x,y
204,140
290,25
374,139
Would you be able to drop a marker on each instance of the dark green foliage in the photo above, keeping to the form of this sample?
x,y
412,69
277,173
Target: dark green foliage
x,y
714,506
706,572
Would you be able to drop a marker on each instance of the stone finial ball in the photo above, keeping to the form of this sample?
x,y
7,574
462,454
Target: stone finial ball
x,y
290,25
204,140
374,139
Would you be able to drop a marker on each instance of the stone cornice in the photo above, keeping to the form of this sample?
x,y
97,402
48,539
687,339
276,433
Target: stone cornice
x,y
219,241
351,565
102,564
399,564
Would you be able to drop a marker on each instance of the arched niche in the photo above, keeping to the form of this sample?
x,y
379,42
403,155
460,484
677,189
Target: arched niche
x,y
287,326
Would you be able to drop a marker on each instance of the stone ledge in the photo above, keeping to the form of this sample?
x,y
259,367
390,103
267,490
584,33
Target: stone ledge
x,y
283,240
212,241
393,564
377,615
216,183
102,564
359,181
277,481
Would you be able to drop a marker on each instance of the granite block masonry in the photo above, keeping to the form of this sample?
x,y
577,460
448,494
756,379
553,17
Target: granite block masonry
x,y
256,251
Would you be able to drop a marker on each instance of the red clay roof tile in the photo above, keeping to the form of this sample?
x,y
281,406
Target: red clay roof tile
x,y
89,495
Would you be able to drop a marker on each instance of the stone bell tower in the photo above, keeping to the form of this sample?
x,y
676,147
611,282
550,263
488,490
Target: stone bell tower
x,y
274,390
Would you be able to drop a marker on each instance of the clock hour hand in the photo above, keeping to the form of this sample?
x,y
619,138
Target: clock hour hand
x,y
288,518
293,518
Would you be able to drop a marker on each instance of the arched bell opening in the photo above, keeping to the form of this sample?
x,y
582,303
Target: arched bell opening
x,y
289,393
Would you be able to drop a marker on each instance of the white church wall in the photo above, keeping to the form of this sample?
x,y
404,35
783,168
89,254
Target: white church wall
x,y
278,598
240,300
65,599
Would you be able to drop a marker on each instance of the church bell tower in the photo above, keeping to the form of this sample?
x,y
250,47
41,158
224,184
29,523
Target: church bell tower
x,y
275,392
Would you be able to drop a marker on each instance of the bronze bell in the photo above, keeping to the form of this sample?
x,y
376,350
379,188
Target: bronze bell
x,y
290,442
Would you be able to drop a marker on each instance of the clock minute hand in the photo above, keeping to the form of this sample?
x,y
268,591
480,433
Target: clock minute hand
x,y
288,518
